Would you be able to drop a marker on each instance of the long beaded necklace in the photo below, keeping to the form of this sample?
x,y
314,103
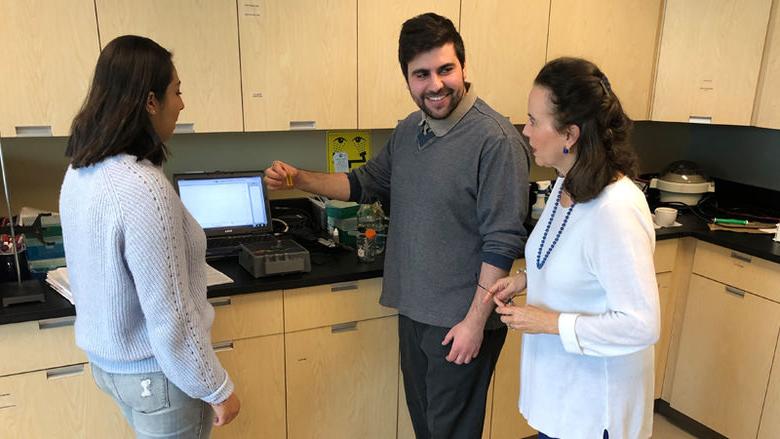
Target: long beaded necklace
x,y
539,261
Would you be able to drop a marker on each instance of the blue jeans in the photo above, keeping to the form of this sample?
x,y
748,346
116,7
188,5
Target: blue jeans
x,y
154,407
544,436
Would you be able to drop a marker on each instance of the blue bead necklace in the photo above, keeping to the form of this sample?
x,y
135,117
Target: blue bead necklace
x,y
539,261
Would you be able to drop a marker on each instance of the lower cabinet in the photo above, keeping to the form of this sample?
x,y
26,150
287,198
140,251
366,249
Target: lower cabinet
x,y
342,380
506,421
256,366
59,402
726,349
667,317
770,419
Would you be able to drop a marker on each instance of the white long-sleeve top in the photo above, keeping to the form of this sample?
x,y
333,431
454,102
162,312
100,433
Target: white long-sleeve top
x,y
137,269
598,373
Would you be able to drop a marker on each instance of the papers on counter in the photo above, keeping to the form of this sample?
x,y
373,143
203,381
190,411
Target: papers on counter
x,y
58,280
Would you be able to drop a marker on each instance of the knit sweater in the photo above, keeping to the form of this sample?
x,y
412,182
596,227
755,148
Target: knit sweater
x,y
136,262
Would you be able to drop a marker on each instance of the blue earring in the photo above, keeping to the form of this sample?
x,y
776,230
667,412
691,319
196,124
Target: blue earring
x,y
565,150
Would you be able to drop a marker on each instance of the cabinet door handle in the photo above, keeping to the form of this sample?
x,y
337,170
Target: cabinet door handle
x,y
7,401
735,291
184,128
63,372
34,131
223,346
56,323
303,125
343,287
343,327
741,257
220,301
699,119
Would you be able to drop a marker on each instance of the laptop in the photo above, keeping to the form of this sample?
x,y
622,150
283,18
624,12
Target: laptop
x,y
232,208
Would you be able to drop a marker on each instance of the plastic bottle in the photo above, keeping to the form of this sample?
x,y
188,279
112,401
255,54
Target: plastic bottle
x,y
366,245
371,216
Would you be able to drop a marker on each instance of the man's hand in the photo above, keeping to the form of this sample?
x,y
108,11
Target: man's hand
x,y
227,410
466,338
280,176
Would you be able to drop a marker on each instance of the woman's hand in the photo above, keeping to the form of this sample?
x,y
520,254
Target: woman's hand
x,y
227,410
528,318
506,288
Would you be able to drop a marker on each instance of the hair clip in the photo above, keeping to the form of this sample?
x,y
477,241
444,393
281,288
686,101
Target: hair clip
x,y
605,85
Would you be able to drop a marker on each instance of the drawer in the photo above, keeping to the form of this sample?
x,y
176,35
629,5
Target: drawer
x,y
325,305
665,254
247,315
37,345
739,270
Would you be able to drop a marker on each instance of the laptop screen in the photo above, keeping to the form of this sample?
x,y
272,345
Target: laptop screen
x,y
226,203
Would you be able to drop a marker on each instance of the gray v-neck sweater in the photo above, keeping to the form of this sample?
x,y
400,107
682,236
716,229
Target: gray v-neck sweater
x,y
457,200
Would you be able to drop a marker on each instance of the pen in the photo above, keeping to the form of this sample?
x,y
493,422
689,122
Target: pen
x,y
740,222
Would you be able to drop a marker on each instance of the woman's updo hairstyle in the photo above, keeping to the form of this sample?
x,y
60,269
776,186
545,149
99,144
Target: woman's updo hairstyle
x,y
582,95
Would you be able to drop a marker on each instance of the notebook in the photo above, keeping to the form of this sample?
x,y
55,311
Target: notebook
x,y
232,208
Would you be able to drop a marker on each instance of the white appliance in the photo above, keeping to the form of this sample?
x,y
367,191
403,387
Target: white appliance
x,y
682,182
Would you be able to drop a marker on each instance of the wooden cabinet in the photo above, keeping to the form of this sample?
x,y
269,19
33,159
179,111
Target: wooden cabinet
x,y
766,112
256,366
247,315
203,36
618,36
770,418
383,96
298,64
709,59
505,48
725,354
342,380
49,52
57,402
664,259
37,345
507,422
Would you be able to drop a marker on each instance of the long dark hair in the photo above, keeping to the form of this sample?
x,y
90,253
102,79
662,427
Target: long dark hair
x,y
113,119
426,32
582,95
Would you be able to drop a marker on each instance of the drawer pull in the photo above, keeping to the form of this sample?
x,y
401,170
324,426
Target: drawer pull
x,y
63,372
303,125
220,301
699,119
343,327
741,257
184,128
343,287
735,291
33,131
56,323
223,346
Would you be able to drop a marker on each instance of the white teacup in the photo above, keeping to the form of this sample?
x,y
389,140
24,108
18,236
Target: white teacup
x,y
665,216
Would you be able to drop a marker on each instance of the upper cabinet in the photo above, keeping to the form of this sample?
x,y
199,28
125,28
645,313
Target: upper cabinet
x,y
619,36
710,55
299,64
383,97
505,48
49,52
766,112
203,36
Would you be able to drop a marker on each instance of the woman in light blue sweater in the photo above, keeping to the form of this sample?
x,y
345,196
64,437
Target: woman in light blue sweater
x,y
135,256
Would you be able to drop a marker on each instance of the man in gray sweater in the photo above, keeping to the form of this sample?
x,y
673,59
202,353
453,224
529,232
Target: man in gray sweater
x,y
456,176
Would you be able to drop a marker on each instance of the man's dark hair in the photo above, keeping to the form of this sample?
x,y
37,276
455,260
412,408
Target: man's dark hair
x,y
582,95
114,119
424,33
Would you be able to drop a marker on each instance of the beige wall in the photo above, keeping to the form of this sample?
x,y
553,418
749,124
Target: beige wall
x,y
36,166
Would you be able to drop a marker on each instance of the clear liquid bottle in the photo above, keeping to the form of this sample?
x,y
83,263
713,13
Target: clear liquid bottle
x,y
366,245
371,216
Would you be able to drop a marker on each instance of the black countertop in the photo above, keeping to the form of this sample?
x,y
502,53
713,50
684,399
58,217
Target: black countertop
x,y
343,266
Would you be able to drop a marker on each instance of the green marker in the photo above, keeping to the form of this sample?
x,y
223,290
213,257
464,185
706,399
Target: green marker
x,y
740,222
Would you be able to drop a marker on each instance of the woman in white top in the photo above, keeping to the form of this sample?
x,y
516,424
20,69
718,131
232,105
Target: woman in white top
x,y
592,313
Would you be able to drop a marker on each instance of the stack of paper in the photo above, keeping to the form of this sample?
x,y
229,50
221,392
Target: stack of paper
x,y
58,280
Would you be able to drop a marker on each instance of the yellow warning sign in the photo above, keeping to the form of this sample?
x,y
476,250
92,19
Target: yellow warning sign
x,y
348,150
